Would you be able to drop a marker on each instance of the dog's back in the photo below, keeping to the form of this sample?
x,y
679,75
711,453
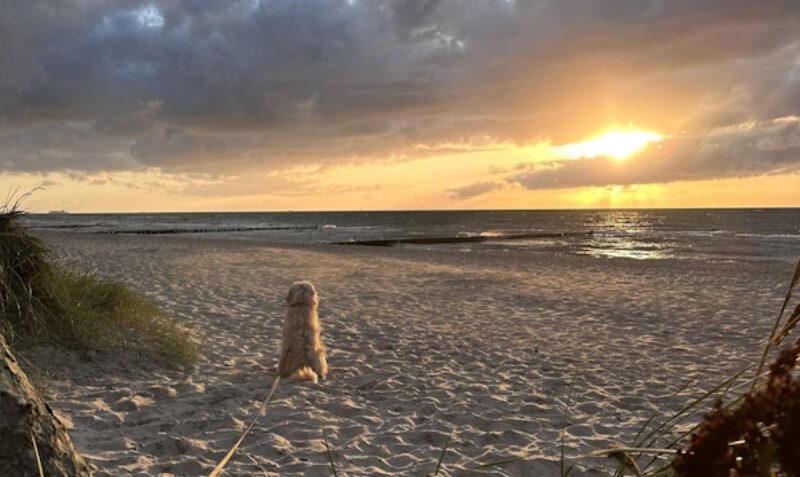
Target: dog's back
x,y
302,351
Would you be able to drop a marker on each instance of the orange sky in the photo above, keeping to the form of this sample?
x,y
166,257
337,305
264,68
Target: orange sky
x,y
428,183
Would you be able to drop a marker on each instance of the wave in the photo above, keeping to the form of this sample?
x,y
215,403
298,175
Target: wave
x,y
699,233
790,236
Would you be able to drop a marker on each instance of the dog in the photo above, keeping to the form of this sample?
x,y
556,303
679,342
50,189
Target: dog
x,y
302,352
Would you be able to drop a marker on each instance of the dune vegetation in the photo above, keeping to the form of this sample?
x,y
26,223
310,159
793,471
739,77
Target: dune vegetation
x,y
46,303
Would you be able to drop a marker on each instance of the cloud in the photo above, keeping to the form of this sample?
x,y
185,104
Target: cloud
x,y
476,189
749,150
63,145
222,87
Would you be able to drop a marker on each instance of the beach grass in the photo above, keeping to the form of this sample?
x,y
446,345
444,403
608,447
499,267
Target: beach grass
x,y
44,303
105,316
444,451
329,453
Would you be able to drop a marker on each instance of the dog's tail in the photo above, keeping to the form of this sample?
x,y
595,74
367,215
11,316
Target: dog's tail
x,y
304,374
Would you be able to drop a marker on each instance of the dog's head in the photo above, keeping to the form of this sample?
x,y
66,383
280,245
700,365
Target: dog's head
x,y
302,294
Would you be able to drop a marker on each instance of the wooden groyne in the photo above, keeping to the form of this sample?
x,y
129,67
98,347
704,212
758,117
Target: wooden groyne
x,y
64,226
198,230
456,239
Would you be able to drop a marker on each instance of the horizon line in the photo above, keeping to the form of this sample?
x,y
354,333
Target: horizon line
x,y
321,211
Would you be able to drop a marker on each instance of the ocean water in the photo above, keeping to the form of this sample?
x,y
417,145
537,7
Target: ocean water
x,y
697,234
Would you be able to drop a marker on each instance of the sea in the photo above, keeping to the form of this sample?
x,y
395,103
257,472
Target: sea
x,y
728,235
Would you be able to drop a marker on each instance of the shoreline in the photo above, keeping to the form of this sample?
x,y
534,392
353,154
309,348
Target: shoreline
x,y
420,342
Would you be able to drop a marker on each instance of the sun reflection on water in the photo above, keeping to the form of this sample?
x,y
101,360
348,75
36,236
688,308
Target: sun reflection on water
x,y
627,234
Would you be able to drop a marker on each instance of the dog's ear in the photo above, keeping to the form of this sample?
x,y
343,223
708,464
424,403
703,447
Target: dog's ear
x,y
309,294
292,297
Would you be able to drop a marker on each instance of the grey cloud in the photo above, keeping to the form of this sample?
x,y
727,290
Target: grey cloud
x,y
413,18
129,121
212,85
178,144
63,145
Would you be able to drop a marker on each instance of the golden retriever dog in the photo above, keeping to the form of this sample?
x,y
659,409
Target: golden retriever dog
x,y
302,351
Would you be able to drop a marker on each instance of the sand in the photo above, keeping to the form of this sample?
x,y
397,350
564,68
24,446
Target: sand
x,y
504,350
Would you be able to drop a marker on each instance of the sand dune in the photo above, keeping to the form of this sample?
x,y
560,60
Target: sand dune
x,y
505,350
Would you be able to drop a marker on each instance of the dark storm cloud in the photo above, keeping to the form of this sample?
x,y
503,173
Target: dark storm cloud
x,y
63,145
211,85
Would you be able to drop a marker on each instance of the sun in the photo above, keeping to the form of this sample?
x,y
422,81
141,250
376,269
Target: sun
x,y
616,144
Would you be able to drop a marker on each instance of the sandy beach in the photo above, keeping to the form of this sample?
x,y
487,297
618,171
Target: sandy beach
x,y
505,350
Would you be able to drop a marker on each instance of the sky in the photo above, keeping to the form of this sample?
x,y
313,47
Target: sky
x,y
202,105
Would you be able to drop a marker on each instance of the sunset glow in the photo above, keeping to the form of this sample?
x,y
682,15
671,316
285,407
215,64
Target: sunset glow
x,y
615,144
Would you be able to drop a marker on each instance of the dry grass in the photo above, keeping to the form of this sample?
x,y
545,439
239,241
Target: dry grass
x,y
770,341
330,454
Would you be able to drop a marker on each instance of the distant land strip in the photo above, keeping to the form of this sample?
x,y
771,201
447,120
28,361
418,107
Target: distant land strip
x,y
470,239
174,231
